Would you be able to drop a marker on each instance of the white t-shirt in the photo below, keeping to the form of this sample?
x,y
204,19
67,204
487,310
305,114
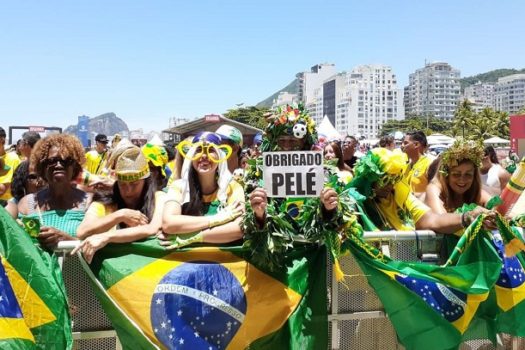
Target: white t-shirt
x,y
491,178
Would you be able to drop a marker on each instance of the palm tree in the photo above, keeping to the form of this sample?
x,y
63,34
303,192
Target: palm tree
x,y
483,128
501,124
463,118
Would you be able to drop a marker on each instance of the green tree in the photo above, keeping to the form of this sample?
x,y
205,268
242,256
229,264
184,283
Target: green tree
x,y
464,119
483,128
501,124
250,115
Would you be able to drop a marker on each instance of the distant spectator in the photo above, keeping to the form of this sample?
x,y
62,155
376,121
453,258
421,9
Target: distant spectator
x,y
255,149
493,176
10,160
387,142
245,155
96,159
170,167
25,181
232,137
157,158
116,139
332,150
415,145
349,147
18,149
29,139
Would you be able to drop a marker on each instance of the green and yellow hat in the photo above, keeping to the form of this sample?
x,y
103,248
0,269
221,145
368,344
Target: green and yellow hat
x,y
379,165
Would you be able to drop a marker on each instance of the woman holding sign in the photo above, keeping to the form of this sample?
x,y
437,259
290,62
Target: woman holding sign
x,y
204,205
272,225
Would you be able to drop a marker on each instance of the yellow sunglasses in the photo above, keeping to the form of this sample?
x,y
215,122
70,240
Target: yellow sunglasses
x,y
204,147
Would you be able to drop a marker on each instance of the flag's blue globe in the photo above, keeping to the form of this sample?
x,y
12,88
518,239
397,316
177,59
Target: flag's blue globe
x,y
448,302
197,305
512,274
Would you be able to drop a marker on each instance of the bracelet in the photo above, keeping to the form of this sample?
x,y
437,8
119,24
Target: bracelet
x,y
463,220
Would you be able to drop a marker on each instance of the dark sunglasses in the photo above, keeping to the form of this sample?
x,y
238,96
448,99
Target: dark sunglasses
x,y
54,161
32,177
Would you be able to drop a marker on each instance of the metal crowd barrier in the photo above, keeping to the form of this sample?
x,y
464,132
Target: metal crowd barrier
x,y
356,316
91,327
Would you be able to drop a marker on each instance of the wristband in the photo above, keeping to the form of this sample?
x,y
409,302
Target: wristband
x,y
463,220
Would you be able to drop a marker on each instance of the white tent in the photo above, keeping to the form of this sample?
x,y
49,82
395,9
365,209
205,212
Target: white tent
x,y
327,129
496,140
435,139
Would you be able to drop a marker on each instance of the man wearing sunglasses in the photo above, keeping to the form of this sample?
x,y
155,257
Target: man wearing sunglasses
x,y
9,162
348,146
96,159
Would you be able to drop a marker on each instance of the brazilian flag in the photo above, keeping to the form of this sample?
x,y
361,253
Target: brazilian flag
x,y
211,298
33,304
431,306
504,309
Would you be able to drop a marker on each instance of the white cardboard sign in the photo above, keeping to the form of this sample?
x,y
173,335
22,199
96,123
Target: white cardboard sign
x,y
293,174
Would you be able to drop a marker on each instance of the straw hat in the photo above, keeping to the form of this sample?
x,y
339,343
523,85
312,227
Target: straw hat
x,y
116,152
132,166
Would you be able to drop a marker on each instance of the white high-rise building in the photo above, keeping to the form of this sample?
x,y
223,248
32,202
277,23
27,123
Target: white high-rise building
x,y
365,98
481,95
509,93
284,98
310,91
433,91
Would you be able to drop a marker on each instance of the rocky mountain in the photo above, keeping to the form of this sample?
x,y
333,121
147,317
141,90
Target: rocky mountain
x,y
107,123
292,88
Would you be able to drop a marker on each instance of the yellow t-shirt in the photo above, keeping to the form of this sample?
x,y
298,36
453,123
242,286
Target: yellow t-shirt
x,y
95,162
416,175
12,160
402,218
100,210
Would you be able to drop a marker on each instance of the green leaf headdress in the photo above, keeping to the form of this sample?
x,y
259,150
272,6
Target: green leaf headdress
x,y
460,151
379,165
289,121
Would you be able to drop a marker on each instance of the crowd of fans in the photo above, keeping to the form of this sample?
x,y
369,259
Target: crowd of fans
x,y
193,192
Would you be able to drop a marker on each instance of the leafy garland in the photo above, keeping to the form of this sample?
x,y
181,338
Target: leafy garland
x,y
461,150
269,243
282,123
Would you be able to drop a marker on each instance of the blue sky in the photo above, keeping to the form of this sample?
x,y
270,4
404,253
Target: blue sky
x,y
148,61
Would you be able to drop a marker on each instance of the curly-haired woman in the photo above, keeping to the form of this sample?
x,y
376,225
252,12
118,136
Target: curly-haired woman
x,y
59,207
